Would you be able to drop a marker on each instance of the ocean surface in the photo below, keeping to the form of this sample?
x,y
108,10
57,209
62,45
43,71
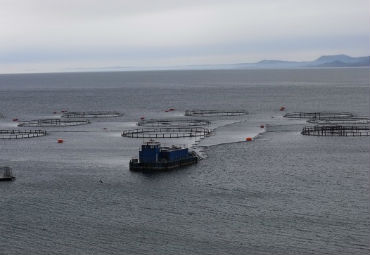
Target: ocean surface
x,y
282,193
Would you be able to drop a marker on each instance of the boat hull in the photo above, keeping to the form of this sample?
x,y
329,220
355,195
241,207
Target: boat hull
x,y
162,166
7,179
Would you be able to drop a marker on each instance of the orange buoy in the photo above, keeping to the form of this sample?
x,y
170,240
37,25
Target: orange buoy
x,y
262,126
15,119
60,140
248,139
282,108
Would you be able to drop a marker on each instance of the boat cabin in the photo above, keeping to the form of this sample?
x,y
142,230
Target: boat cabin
x,y
152,152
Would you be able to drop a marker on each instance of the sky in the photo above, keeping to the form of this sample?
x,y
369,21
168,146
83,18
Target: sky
x,y
73,35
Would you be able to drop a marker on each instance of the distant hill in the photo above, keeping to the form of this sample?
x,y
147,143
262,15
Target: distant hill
x,y
323,61
341,61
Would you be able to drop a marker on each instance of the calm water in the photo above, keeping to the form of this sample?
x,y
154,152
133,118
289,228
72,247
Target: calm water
x,y
283,193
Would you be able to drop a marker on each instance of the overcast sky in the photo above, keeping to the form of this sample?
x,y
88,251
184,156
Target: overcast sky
x,y
62,35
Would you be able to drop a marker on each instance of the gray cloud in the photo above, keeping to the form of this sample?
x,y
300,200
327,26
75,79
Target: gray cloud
x,y
52,34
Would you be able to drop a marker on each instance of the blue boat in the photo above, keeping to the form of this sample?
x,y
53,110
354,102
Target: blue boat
x,y
153,157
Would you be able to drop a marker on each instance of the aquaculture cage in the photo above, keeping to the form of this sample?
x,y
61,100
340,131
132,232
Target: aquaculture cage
x,y
52,123
173,123
211,113
20,134
318,115
340,121
336,130
92,114
172,132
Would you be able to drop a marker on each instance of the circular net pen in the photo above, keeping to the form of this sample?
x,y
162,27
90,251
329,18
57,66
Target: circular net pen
x,y
52,123
337,130
173,123
92,114
166,132
318,115
340,121
21,134
210,113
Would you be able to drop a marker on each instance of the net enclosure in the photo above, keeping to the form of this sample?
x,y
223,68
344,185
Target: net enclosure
x,y
92,114
211,113
20,134
183,122
52,123
318,115
336,130
340,121
179,132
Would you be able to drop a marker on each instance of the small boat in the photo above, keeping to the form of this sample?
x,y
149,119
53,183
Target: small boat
x,y
7,174
154,157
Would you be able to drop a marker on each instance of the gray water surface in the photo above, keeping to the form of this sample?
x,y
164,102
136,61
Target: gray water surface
x,y
283,193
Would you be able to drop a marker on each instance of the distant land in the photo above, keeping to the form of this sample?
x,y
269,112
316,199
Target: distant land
x,y
329,61
323,61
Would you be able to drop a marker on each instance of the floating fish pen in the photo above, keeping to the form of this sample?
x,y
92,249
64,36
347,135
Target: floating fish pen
x,y
211,113
52,123
20,134
91,114
167,132
6,174
340,121
336,130
318,115
173,123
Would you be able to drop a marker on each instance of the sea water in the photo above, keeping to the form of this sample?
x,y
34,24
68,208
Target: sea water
x,y
282,193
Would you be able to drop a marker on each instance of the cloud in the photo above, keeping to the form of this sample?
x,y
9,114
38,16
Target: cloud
x,y
143,31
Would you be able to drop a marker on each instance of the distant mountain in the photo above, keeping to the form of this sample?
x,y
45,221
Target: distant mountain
x,y
323,61
333,58
341,61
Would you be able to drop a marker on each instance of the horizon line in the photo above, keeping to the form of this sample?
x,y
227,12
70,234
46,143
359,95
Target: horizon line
x,y
188,67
